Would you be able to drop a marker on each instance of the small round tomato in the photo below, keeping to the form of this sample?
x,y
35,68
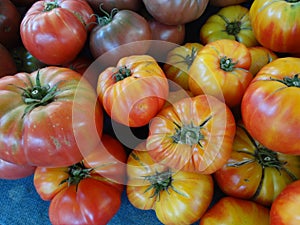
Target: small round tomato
x,y
177,197
270,108
254,172
133,91
285,208
193,134
12,171
221,69
234,211
230,22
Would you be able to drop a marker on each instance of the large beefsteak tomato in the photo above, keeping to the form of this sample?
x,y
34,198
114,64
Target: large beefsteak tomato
x,y
193,134
177,197
12,171
47,116
270,108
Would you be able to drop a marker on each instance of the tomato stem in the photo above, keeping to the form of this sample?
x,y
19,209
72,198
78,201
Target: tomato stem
x,y
293,81
122,73
48,6
227,64
108,17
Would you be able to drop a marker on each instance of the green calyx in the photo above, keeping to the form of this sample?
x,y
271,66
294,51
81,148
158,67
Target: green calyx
x,y
189,134
189,58
48,6
293,81
107,18
233,28
227,64
122,73
77,172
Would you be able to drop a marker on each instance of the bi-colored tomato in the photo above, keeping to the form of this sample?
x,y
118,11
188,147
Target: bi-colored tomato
x,y
193,134
133,91
48,117
276,24
234,211
270,108
254,172
177,197
221,69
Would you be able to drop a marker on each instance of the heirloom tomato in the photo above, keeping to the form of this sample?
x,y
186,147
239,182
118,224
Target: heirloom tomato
x,y
177,11
177,197
285,208
260,56
12,171
88,192
230,22
47,117
254,172
193,134
118,28
221,69
179,61
133,91
276,24
7,63
234,211
55,31
270,108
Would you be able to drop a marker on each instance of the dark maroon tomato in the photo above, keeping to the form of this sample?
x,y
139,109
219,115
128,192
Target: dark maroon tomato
x,y
108,5
7,64
10,20
120,28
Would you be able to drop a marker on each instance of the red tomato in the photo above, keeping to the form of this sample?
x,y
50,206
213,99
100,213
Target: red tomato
x,y
276,24
41,36
11,171
285,208
221,69
79,64
177,11
133,91
47,117
7,63
9,24
177,197
234,211
270,108
193,134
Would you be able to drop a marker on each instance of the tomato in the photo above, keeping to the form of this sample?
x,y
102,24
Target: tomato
x,y
25,62
118,28
108,5
11,171
88,192
133,91
254,172
177,197
10,21
276,24
47,117
79,64
224,3
41,36
7,64
270,108
284,210
221,69
260,56
230,22
234,211
176,12
194,134
178,62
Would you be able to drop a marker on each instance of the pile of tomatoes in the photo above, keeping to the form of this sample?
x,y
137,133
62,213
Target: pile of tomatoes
x,y
162,100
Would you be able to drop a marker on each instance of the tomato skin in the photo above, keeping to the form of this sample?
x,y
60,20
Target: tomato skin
x,y
238,211
124,27
52,134
11,171
175,12
228,84
48,44
186,135
230,22
134,100
254,172
284,210
189,193
276,24
263,103
7,64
